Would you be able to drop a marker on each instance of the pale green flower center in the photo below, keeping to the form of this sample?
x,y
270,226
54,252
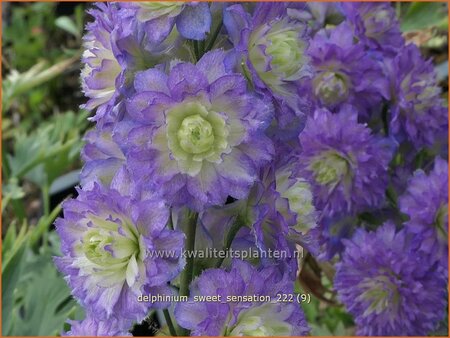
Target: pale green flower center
x,y
285,49
330,168
195,134
382,294
111,254
300,199
94,247
377,22
331,87
441,220
301,202
281,46
264,320
253,326
157,5
150,10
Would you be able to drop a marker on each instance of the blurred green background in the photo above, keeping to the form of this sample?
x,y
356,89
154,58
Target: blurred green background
x,y
42,130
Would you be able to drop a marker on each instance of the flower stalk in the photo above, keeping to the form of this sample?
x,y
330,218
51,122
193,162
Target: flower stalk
x,y
186,276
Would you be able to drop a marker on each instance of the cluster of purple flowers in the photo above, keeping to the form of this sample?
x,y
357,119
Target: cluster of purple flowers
x,y
270,126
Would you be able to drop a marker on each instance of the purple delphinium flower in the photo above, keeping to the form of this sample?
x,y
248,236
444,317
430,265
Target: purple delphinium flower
x,y
265,143
271,49
106,241
214,229
93,327
344,73
299,210
316,14
329,233
102,156
192,19
277,216
320,13
345,163
375,24
198,133
274,225
101,68
116,46
426,203
388,286
418,114
281,211
240,317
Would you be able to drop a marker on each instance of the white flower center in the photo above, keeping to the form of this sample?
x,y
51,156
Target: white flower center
x,y
195,134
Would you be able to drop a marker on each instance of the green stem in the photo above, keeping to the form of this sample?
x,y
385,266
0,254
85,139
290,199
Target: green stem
x,y
190,246
169,322
46,75
46,204
202,48
229,240
43,225
187,274
46,199
170,223
391,196
385,118
5,165
196,51
213,37
441,230
398,9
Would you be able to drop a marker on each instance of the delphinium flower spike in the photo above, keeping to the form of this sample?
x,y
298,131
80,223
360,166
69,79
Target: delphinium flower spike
x,y
268,127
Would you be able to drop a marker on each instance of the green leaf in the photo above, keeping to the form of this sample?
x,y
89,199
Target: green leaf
x,y
23,39
9,239
442,71
47,304
19,83
339,330
67,24
320,330
19,240
49,151
11,191
65,181
79,17
422,15
36,299
11,272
